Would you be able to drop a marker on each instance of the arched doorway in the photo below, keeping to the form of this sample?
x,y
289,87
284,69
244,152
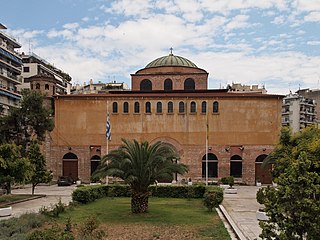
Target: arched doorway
x,y
212,166
70,166
95,162
262,174
236,166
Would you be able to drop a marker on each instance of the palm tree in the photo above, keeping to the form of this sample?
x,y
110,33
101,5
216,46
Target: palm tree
x,y
140,165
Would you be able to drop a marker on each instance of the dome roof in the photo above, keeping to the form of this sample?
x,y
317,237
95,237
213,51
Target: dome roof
x,y
171,60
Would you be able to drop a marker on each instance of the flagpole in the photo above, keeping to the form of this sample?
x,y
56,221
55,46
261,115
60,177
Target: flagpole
x,y
108,138
207,126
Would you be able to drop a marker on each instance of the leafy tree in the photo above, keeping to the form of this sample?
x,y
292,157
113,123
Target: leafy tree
x,y
13,167
40,173
140,165
293,207
27,122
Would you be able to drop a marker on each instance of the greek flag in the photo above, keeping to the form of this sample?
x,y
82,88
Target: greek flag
x,y
108,128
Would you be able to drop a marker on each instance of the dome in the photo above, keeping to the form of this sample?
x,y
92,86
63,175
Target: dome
x,y
171,60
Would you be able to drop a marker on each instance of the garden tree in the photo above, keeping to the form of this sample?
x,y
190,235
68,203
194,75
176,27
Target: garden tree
x,y
13,167
293,206
27,122
140,165
40,173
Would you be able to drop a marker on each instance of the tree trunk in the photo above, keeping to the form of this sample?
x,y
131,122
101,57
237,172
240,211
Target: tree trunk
x,y
139,202
8,187
33,187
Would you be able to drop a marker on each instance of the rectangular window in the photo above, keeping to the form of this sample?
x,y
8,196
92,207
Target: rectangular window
x,y
26,69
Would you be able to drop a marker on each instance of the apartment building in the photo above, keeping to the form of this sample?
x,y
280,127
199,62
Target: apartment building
x,y
10,70
100,87
298,112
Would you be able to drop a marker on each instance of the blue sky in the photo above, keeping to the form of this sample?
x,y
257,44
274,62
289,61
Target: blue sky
x,y
275,43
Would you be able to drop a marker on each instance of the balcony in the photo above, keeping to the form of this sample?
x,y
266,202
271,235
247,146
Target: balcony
x,y
16,79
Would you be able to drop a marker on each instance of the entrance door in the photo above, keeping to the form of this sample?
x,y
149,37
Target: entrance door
x,y
262,174
70,166
70,169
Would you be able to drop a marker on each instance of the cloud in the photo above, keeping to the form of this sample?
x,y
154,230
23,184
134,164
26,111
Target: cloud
x,y
71,25
239,21
278,20
313,17
313,43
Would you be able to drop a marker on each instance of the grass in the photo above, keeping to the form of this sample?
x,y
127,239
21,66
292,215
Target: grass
x,y
163,213
11,198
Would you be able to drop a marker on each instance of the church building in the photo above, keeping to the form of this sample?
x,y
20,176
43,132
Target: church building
x,y
170,102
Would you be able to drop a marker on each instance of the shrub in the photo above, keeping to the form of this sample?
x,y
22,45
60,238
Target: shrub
x,y
17,228
194,191
230,181
261,195
54,210
89,230
91,193
227,180
212,198
224,180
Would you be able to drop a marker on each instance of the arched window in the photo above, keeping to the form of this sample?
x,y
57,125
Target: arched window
x,y
145,85
189,84
236,166
170,107
215,107
212,166
125,107
38,86
204,107
159,107
46,87
136,107
115,107
168,85
148,107
193,107
181,107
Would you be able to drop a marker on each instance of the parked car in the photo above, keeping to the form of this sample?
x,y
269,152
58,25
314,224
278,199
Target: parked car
x,y
65,181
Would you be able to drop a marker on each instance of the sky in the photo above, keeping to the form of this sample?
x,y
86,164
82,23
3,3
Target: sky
x,y
272,43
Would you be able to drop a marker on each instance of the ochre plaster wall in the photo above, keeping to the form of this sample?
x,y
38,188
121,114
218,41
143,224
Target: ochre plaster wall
x,y
249,122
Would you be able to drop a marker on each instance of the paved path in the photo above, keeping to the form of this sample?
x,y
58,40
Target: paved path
x,y
242,208
53,194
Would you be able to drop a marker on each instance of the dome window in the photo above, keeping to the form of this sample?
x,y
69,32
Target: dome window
x,y
168,85
189,84
145,85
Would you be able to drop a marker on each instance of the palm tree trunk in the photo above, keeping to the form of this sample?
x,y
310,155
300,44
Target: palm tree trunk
x,y
139,202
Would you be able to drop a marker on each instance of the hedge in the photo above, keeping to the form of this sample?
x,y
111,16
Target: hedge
x,y
88,194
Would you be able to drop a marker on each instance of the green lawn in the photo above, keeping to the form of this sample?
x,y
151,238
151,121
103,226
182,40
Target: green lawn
x,y
8,199
171,213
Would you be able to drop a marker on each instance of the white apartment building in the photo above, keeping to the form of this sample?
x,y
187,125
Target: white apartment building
x,y
298,112
10,70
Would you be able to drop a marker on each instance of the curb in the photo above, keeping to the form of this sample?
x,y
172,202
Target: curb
x,y
233,225
28,199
